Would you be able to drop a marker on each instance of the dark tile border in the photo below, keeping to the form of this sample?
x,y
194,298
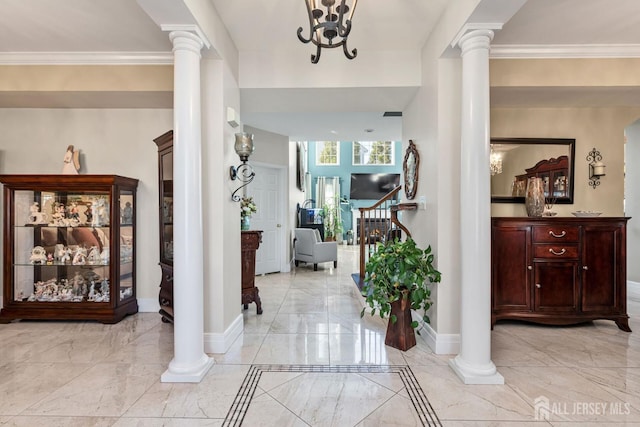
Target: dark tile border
x,y
241,403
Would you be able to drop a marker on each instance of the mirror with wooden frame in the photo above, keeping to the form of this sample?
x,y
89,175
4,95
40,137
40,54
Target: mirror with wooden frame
x,y
514,160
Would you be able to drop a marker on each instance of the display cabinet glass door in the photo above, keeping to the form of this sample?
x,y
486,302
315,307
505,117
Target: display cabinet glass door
x,y
61,247
126,240
166,250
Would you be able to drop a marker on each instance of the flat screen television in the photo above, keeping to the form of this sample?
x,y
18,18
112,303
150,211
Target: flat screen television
x,y
372,186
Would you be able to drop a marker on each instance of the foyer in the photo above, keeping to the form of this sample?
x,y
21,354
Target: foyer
x,y
310,360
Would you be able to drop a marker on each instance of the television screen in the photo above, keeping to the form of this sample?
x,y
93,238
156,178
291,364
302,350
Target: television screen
x,y
372,186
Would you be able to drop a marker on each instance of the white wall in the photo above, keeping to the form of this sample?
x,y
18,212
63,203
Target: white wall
x,y
33,141
222,288
632,196
270,148
432,121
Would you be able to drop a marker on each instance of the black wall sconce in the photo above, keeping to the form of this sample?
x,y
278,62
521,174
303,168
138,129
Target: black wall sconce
x,y
243,172
596,167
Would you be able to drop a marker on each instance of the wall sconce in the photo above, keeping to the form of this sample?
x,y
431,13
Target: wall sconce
x,y
243,172
596,167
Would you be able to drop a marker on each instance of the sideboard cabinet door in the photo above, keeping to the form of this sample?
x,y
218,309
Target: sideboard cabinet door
x,y
556,287
511,268
603,273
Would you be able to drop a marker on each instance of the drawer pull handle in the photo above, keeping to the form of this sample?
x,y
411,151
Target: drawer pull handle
x,y
538,285
551,233
584,267
529,267
562,252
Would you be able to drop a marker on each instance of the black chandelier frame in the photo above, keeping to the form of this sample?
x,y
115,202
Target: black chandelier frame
x,y
334,25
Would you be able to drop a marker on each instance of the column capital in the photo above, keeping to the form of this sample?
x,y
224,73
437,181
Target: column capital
x,y
184,40
475,39
470,31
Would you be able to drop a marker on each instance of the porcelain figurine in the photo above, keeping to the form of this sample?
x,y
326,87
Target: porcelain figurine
x,y
35,216
94,255
38,255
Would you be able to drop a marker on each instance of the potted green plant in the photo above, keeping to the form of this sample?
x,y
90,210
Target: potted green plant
x,y
332,221
398,276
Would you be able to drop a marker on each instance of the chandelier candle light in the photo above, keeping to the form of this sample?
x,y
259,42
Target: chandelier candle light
x,y
495,162
336,23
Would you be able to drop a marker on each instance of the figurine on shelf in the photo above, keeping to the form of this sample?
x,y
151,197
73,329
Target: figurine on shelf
x,y
127,213
80,257
104,287
38,255
58,252
71,161
92,291
73,215
58,215
88,214
100,210
78,282
35,216
94,256
66,255
104,256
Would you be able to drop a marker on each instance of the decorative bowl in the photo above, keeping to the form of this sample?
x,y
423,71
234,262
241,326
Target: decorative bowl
x,y
586,213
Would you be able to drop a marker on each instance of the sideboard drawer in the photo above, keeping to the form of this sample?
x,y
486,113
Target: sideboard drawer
x,y
555,233
568,251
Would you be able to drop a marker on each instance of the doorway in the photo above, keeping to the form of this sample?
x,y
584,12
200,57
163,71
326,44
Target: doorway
x,y
268,192
632,204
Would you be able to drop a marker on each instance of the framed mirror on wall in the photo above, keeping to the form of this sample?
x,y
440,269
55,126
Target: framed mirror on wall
x,y
410,168
514,160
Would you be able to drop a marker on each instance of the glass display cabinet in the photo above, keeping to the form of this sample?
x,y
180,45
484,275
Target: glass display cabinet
x,y
69,247
165,174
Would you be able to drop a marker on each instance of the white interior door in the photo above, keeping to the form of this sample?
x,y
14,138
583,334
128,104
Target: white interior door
x,y
266,190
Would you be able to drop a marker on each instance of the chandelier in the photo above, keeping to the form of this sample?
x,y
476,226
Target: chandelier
x,y
324,27
495,162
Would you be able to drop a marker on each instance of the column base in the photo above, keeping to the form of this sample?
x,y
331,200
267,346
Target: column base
x,y
475,374
187,374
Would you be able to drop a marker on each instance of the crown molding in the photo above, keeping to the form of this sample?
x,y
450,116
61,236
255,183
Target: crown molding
x,y
565,51
86,58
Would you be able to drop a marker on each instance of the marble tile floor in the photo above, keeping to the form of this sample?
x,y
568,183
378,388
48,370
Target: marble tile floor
x,y
310,360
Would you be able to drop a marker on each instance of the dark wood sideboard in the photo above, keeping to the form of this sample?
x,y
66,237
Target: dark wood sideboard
x,y
559,270
250,242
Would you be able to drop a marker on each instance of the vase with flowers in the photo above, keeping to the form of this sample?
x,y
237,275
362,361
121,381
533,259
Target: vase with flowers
x,y
247,208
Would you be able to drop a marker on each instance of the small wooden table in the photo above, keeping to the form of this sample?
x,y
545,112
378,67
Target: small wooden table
x,y
250,241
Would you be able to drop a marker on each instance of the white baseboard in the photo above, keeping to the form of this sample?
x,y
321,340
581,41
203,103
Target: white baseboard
x,y
148,305
220,342
440,343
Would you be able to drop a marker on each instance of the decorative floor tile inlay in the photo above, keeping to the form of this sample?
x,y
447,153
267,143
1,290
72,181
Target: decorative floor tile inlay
x,y
424,410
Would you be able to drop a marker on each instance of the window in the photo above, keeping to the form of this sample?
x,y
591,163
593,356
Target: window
x,y
327,153
373,153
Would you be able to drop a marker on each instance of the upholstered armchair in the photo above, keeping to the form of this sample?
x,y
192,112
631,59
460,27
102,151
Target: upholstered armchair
x,y
310,249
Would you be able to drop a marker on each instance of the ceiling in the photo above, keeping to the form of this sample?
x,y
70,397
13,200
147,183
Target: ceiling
x,y
110,26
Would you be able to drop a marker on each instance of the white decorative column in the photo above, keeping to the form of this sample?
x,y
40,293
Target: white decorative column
x,y
473,364
190,363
